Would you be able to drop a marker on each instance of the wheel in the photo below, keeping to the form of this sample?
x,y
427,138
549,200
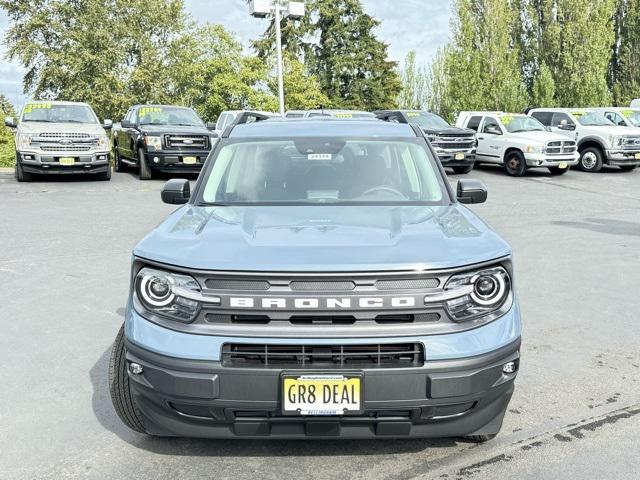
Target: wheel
x,y
21,175
590,160
119,165
145,171
515,164
481,438
558,170
462,169
105,176
121,397
628,168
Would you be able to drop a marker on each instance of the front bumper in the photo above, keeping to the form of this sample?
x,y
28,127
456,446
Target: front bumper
x,y
85,162
546,161
460,390
168,162
623,158
449,158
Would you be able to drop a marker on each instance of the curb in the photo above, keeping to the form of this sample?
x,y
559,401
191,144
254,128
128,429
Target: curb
x,y
6,169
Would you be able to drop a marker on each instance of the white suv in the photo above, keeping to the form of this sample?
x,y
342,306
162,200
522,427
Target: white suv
x,y
600,141
518,142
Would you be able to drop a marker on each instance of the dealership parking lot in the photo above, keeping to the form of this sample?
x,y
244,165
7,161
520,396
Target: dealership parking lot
x,y
64,267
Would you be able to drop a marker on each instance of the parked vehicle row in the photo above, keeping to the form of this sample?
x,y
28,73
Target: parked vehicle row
x,y
66,137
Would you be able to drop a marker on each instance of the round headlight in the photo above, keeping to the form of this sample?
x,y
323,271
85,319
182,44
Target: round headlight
x,y
156,291
487,289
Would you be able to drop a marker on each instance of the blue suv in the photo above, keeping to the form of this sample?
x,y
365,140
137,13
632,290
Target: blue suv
x,y
321,280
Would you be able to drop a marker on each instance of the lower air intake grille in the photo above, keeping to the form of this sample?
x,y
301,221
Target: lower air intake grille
x,y
396,355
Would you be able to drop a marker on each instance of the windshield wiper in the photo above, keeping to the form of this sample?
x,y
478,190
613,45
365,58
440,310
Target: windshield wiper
x,y
39,121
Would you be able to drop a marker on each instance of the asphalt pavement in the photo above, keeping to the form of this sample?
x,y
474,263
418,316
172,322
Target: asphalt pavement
x,y
65,249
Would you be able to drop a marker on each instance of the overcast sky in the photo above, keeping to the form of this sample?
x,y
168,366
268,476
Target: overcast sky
x,y
420,25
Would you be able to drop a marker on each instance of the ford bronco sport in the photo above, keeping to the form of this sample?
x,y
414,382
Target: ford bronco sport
x,y
322,279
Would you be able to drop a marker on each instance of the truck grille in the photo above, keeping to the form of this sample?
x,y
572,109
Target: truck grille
x,y
319,285
65,135
321,320
395,355
560,147
65,148
199,142
631,143
455,143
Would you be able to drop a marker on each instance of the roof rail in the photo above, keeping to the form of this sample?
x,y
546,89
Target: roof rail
x,y
243,118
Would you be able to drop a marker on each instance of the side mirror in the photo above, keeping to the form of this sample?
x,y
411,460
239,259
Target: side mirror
x,y
211,126
493,131
176,191
107,124
564,125
127,124
471,191
10,122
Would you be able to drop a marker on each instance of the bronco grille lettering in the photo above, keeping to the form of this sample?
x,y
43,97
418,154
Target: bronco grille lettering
x,y
330,303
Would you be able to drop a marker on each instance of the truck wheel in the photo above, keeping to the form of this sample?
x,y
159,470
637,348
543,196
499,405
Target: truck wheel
x,y
558,171
628,168
119,164
481,438
461,170
515,164
21,175
145,171
105,176
590,160
121,397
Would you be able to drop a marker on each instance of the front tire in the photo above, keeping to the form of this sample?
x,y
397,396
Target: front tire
x,y
462,169
21,175
555,171
105,176
119,165
119,387
145,171
590,160
515,164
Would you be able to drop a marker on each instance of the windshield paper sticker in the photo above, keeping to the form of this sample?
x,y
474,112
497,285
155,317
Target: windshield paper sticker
x,y
507,119
413,114
144,111
319,156
344,115
578,113
29,107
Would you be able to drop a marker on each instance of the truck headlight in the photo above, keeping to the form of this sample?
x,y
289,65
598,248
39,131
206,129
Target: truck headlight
x,y
103,142
534,149
483,292
615,140
433,138
153,142
166,294
24,141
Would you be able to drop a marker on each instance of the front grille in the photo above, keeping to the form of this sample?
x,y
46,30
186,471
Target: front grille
x,y
409,284
560,147
200,142
395,355
301,286
64,135
228,284
322,320
65,148
453,144
631,143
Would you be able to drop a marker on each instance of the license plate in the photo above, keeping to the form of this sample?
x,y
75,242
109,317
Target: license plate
x,y
189,160
459,156
637,156
67,161
563,165
321,394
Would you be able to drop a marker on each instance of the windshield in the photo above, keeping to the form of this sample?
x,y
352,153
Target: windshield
x,y
47,112
633,116
521,123
427,120
592,119
324,171
169,116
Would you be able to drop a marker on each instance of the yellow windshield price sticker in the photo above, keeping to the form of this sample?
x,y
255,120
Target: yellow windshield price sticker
x,y
413,114
627,113
578,113
144,111
507,119
29,107
344,115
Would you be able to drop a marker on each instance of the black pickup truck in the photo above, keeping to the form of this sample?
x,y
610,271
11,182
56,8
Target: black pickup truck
x,y
455,147
161,138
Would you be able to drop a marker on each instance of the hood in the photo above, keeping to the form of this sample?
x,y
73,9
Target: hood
x,y
179,129
539,137
610,130
449,131
41,127
322,238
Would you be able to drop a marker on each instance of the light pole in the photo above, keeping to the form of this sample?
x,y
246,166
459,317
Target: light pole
x,y
294,10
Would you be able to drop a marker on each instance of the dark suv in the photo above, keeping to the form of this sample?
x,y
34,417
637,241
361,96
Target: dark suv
x,y
161,138
456,147
321,280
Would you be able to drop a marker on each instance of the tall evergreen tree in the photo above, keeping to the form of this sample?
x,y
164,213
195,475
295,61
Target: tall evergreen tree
x,y
414,84
624,71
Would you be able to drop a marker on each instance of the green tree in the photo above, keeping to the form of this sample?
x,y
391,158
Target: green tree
x,y
301,89
7,147
414,84
624,70
543,89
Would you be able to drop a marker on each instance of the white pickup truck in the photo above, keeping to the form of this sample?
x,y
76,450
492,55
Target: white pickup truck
x,y
60,138
518,142
600,141
623,117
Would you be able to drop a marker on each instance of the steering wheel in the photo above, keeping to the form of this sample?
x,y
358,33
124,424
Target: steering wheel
x,y
384,188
